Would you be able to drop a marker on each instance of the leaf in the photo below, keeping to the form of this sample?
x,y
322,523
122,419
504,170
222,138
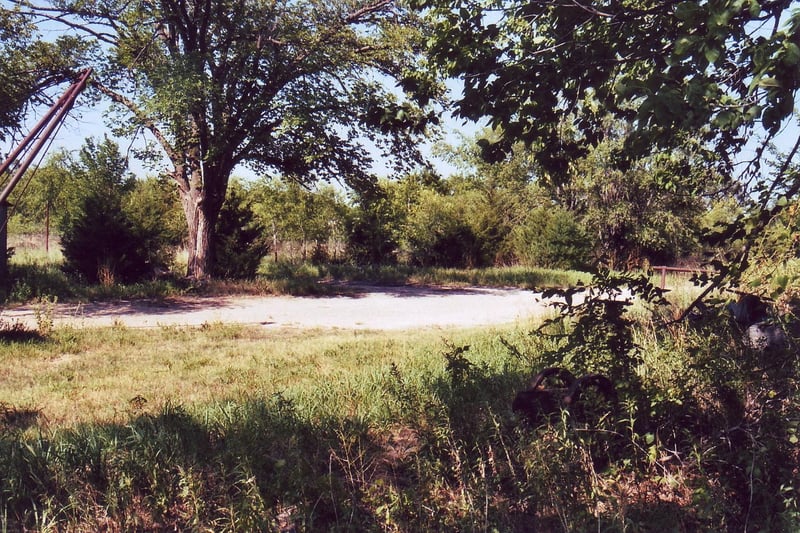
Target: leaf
x,y
687,11
683,45
727,120
768,81
712,54
791,54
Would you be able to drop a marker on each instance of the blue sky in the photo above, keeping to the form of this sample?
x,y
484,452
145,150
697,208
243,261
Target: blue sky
x,y
86,122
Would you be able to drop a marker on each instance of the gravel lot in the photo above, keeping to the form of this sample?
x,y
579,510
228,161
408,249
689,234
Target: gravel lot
x,y
365,307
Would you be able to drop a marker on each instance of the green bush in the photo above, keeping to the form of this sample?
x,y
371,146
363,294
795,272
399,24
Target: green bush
x,y
113,230
370,235
102,244
552,237
241,238
437,234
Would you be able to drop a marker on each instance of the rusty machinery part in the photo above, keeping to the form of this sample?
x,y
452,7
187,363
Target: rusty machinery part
x,y
543,397
562,374
540,401
598,381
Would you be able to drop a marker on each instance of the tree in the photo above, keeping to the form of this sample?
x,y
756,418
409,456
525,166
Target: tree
x,y
551,236
293,214
644,214
243,243
495,196
98,239
155,212
550,73
296,88
372,227
29,67
437,232
40,200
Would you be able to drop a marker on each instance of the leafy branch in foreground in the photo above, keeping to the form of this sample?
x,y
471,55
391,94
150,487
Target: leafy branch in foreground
x,y
722,74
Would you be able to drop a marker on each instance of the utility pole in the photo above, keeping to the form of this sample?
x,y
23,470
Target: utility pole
x,y
36,139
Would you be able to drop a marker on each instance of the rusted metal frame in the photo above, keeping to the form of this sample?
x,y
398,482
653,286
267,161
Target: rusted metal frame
x,y
43,130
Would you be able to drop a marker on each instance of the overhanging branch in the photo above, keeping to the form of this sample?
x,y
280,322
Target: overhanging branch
x,y
146,121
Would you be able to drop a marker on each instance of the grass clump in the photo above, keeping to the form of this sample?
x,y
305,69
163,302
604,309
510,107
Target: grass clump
x,y
511,276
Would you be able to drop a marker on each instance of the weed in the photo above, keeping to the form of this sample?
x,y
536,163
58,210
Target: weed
x,y
43,312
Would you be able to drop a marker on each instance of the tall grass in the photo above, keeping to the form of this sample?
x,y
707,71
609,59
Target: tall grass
x,y
229,428
511,276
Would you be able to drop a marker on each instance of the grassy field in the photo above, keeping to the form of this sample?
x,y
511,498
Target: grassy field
x,y
230,428
91,376
234,428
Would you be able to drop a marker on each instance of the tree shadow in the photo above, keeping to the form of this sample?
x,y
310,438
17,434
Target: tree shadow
x,y
18,418
16,332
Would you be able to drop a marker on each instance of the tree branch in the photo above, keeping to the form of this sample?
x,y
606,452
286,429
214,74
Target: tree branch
x,y
146,121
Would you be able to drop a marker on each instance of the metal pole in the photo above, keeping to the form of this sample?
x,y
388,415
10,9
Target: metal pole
x,y
50,121
3,242
56,116
33,133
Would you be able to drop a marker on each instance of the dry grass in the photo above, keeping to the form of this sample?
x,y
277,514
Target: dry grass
x,y
92,375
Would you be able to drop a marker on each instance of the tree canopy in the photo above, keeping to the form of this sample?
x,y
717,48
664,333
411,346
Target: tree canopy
x,y
293,88
29,67
721,68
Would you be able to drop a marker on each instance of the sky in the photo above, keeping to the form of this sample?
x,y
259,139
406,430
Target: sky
x,y
84,121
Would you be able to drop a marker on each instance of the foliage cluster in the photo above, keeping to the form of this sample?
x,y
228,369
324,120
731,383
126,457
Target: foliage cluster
x,y
504,213
107,232
29,67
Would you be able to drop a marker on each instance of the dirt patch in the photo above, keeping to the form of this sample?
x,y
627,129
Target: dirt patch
x,y
365,307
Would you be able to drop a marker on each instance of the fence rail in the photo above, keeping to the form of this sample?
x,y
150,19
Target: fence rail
x,y
665,269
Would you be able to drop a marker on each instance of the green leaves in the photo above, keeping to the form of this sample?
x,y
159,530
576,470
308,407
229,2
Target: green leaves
x,y
522,56
31,66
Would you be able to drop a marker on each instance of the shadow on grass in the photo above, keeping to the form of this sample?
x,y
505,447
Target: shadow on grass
x,y
17,333
447,454
17,418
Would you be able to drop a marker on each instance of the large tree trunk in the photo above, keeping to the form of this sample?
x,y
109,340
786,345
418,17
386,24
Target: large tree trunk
x,y
202,196
200,237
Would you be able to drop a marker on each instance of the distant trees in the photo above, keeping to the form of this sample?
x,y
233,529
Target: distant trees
x,y
507,212
504,213
300,223
513,211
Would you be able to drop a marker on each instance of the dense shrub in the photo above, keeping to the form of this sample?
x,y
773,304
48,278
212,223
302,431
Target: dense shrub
x,y
437,234
114,228
241,239
371,231
102,244
552,237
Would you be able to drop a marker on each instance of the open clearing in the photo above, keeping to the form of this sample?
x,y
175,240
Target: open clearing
x,y
363,307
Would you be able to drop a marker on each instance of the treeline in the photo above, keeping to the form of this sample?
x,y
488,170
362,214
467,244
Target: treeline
x,y
115,227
